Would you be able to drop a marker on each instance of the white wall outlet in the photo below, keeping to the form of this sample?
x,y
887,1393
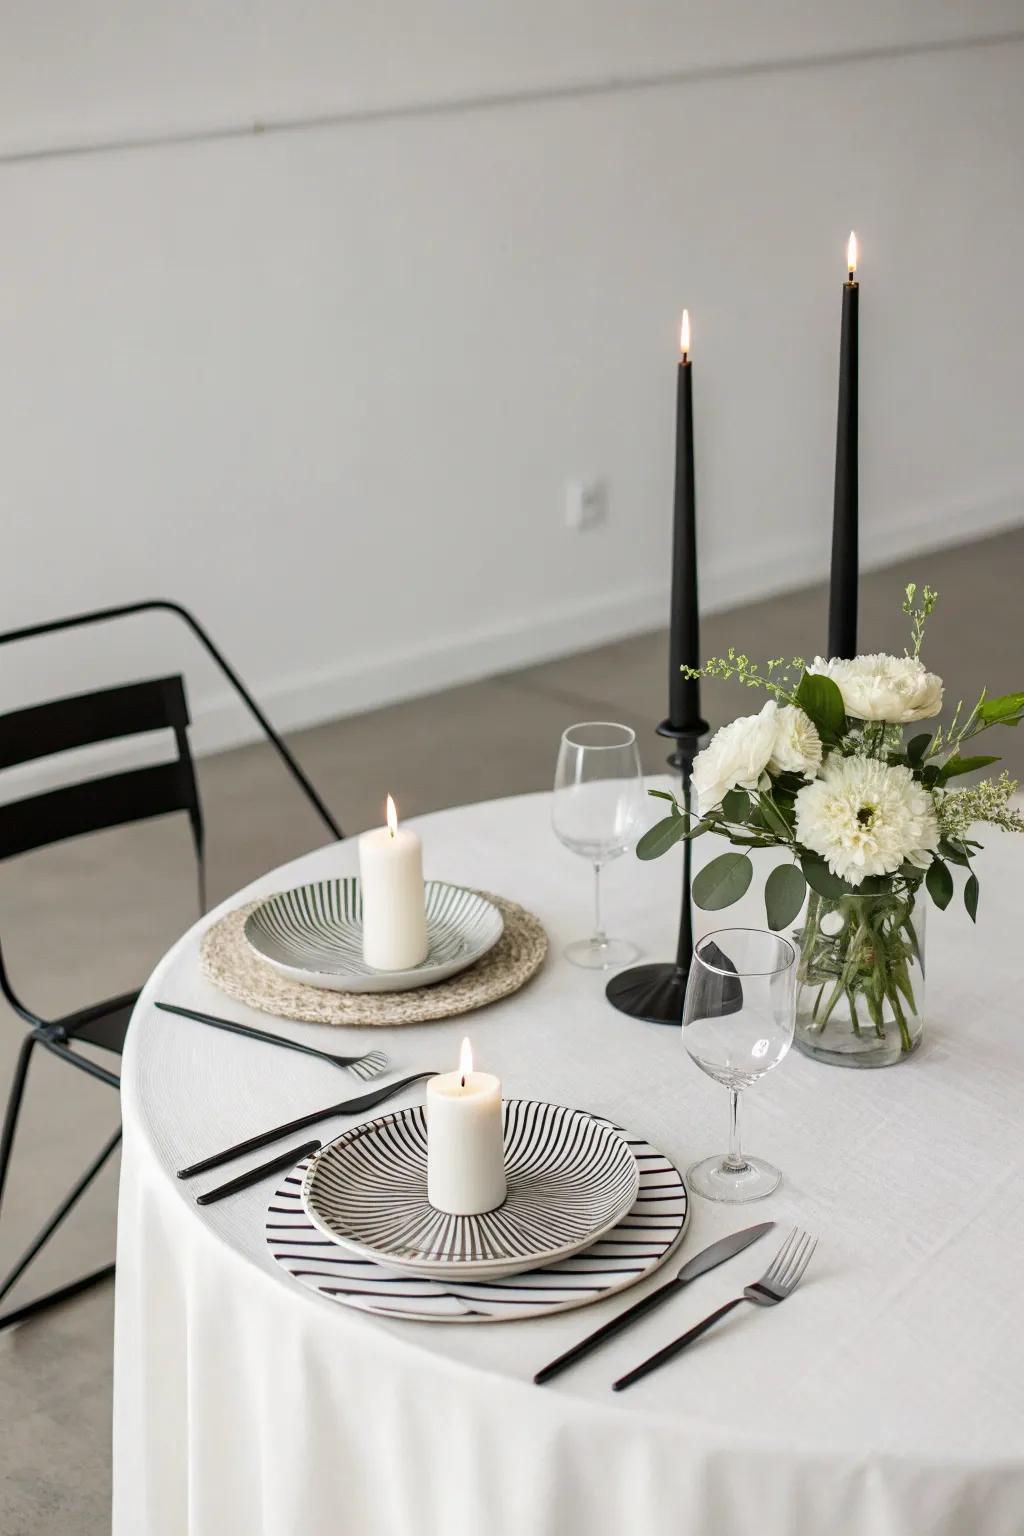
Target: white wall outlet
x,y
586,504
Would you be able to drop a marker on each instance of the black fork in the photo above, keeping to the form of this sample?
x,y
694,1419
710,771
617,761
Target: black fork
x,y
369,1065
779,1280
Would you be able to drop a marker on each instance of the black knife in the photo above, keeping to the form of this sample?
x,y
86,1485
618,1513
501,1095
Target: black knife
x,y
267,1138
256,1175
709,1258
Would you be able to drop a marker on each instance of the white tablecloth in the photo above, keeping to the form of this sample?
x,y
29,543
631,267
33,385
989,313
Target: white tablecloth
x,y
887,1397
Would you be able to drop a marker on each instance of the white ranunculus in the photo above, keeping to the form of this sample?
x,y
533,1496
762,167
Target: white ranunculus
x,y
735,757
881,687
797,747
865,818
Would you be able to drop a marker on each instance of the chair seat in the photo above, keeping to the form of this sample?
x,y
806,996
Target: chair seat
x,y
103,1024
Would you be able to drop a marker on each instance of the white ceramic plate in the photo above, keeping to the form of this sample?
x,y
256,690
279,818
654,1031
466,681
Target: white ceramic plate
x,y
314,935
571,1178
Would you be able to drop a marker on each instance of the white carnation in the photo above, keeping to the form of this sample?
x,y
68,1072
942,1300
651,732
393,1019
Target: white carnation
x,y
797,747
881,687
866,818
735,758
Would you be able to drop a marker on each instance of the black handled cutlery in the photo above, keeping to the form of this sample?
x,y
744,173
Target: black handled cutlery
x,y
266,1138
779,1280
254,1175
709,1258
370,1064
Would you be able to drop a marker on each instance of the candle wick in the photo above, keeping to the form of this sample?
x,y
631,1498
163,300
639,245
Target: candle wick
x,y
463,1080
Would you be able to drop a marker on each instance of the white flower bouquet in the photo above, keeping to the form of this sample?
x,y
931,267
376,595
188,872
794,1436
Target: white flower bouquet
x,y
868,817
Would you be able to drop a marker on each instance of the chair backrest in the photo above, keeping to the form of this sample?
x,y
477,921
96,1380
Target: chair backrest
x,y
162,605
136,794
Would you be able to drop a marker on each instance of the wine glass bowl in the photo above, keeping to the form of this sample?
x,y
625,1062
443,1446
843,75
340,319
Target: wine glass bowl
x,y
738,1023
597,812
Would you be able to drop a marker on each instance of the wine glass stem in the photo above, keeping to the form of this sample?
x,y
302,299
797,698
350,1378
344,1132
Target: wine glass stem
x,y
734,1161
600,937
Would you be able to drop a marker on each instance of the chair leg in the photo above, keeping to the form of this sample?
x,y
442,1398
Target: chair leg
x,y
64,1292
58,1216
13,1108
52,1299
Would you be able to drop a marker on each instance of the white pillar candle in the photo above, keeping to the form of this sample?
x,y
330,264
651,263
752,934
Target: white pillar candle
x,y
394,908
465,1144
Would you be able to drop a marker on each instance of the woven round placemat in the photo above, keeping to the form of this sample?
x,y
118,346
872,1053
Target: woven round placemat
x,y
228,960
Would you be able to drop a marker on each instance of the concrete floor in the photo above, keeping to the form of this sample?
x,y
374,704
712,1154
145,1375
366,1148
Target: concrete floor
x,y
116,901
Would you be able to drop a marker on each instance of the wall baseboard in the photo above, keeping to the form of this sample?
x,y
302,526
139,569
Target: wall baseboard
x,y
350,687
376,680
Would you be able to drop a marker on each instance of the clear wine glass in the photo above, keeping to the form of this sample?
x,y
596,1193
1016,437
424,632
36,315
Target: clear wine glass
x,y
738,1022
597,811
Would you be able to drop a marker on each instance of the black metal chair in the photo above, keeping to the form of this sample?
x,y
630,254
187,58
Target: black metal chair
x,y
117,799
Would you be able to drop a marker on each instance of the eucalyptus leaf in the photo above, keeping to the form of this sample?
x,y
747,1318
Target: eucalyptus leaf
x,y
661,837
917,747
784,894
954,851
820,698
821,879
736,805
786,786
663,794
774,819
971,892
940,884
723,881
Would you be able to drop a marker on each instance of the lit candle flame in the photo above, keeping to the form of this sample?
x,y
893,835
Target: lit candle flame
x,y
684,334
465,1060
851,254
392,816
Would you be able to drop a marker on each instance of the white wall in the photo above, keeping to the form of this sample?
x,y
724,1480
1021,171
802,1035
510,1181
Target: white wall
x,y
326,385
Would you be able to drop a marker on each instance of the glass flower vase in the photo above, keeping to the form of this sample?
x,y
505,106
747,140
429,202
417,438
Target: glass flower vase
x,y
860,978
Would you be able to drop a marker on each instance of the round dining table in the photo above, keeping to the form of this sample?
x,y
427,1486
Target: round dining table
x,y
886,1396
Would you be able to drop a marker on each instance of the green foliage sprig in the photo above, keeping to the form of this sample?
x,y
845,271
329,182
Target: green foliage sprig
x,y
918,613
779,678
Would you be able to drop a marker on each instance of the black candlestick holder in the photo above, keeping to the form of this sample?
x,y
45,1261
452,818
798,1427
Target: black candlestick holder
x,y
656,992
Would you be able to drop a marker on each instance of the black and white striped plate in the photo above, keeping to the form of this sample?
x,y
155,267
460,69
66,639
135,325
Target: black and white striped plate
x,y
571,1178
631,1251
314,934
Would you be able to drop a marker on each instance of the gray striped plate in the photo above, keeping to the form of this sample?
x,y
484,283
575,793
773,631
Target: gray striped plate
x,y
314,934
630,1252
571,1178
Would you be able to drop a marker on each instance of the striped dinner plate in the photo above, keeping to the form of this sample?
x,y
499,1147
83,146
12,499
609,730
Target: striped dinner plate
x,y
314,935
646,1236
571,1178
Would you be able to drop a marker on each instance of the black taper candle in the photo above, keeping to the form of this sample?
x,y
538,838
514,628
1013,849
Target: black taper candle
x,y
684,632
656,992
842,607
